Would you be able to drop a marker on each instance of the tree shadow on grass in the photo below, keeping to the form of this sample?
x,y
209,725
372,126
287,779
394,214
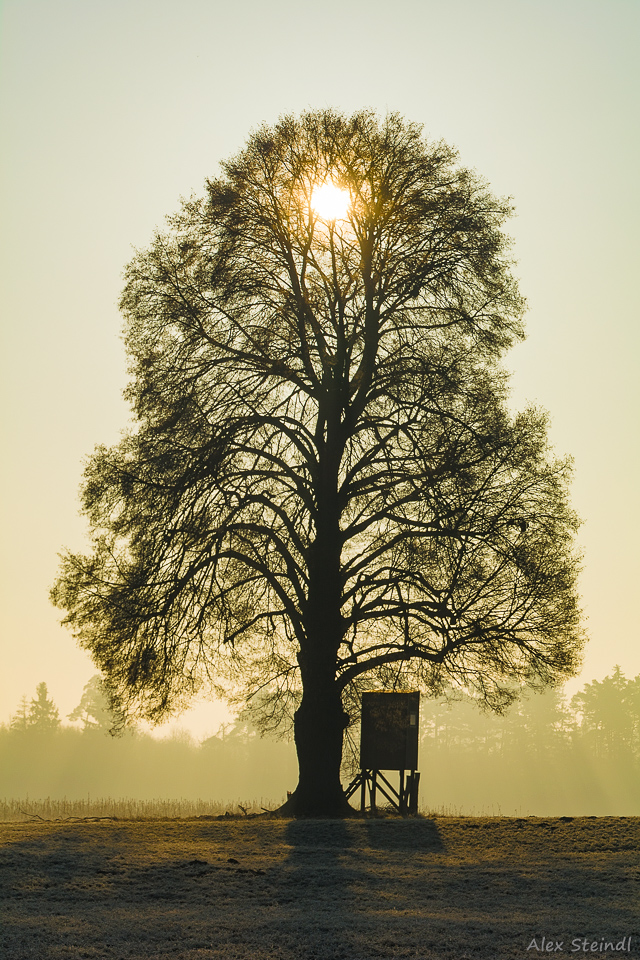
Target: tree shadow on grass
x,y
326,891
316,888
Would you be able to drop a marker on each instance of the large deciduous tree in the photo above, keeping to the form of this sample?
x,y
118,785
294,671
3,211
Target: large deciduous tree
x,y
323,488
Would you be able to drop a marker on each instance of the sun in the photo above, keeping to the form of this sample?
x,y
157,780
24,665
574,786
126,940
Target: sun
x,y
330,202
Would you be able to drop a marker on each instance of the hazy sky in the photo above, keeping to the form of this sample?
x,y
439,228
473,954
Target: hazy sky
x,y
112,109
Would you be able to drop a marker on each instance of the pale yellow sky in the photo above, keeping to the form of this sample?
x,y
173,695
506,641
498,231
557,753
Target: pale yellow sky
x,y
111,111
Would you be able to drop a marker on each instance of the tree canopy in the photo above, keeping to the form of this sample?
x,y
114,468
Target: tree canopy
x,y
323,489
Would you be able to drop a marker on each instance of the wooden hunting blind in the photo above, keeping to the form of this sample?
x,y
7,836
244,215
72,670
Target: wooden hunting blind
x,y
389,741
389,731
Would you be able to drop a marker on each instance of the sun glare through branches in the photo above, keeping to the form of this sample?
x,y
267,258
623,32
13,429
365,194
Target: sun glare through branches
x,y
330,202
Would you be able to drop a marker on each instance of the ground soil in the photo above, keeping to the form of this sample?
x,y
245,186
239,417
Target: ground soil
x,y
449,887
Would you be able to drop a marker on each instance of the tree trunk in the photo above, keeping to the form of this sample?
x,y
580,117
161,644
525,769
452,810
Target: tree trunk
x,y
320,721
319,726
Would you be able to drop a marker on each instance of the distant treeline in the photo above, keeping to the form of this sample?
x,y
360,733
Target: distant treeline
x,y
546,756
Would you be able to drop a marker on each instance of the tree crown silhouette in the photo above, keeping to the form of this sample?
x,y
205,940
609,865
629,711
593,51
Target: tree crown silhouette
x,y
323,488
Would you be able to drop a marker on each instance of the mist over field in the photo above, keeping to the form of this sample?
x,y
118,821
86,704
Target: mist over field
x,y
546,757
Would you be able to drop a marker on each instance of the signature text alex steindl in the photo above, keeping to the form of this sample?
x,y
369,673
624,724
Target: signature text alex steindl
x,y
581,944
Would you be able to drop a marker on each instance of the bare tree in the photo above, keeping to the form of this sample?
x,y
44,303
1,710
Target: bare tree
x,y
323,488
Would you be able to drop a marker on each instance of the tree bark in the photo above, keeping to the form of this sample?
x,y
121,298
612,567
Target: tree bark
x,y
319,726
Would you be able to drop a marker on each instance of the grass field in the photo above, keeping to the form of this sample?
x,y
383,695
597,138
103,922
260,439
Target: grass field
x,y
445,887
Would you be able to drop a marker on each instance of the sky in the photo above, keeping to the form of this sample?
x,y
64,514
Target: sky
x,y
112,111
